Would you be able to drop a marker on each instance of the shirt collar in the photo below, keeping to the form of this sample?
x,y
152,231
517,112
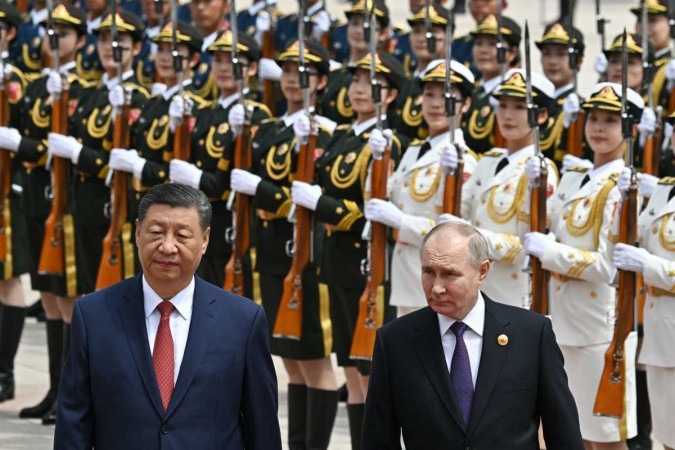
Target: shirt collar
x,y
37,17
151,32
64,68
562,90
660,53
112,82
607,169
523,154
173,89
491,84
290,119
442,139
93,24
227,101
475,320
182,301
359,128
208,40
315,8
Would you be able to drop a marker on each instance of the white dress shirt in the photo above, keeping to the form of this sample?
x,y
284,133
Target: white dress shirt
x,y
473,336
179,320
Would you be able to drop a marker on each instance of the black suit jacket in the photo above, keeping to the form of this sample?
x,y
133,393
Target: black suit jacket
x,y
518,384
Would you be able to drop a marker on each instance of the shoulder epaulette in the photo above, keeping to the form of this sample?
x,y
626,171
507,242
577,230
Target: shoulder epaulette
x,y
579,169
343,127
417,143
494,153
199,102
397,27
269,120
466,38
30,77
260,106
472,153
667,180
137,87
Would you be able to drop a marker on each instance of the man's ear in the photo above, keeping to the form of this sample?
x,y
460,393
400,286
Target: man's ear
x,y
138,230
205,239
483,271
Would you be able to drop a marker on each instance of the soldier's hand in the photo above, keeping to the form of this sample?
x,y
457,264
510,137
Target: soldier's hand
x,y
64,147
533,169
646,183
126,161
10,138
177,111
244,182
601,64
268,69
572,161
382,211
535,244
378,141
263,22
305,195
236,118
571,108
647,125
628,257
302,128
183,172
54,83
449,159
116,97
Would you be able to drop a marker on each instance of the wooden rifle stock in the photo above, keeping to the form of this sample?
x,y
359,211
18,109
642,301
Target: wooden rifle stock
x,y
289,318
22,6
52,256
539,276
268,85
671,101
370,313
5,175
575,135
649,153
234,270
110,269
500,141
452,192
182,148
611,392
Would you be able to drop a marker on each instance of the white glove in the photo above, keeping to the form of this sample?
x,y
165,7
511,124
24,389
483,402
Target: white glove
x,y
183,172
302,128
667,133
177,111
601,64
305,195
158,88
263,22
449,159
572,161
646,183
535,244
236,118
647,125
64,147
670,73
116,97
10,138
268,69
378,142
571,108
533,169
244,182
54,82
628,257
450,218
384,212
126,161
322,23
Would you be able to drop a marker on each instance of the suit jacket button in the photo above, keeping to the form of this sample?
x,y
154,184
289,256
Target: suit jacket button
x,y
165,429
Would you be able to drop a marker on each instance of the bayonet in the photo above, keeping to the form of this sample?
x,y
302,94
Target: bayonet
x,y
428,32
450,99
501,50
600,24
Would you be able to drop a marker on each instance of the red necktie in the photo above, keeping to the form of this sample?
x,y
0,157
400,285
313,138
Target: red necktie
x,y
162,355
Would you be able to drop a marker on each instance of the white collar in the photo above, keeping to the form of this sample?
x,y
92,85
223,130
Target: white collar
x,y
359,128
475,320
182,301
256,7
112,82
315,9
227,101
173,89
37,17
661,52
290,119
151,32
208,40
520,154
444,138
93,24
606,169
64,68
561,90
491,84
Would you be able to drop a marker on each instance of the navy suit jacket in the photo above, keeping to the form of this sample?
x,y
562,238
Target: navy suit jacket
x,y
225,395
518,384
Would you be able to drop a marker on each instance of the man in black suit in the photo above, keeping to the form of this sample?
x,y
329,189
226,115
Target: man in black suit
x,y
467,372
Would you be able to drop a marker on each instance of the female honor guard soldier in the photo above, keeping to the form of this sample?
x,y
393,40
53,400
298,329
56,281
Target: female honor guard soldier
x,y
213,140
312,394
416,188
28,141
337,200
578,253
90,141
655,259
492,197
15,263
659,28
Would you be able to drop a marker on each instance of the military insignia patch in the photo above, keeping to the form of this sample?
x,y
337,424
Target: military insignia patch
x,y
223,128
90,49
351,157
485,111
282,150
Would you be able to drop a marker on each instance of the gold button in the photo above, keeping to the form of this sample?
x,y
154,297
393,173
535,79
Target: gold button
x,y
99,161
198,163
557,288
265,224
502,339
162,174
201,142
277,196
651,305
477,223
594,294
514,276
357,245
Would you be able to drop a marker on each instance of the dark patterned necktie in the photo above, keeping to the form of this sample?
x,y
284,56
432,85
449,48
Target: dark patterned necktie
x,y
460,373
423,150
162,354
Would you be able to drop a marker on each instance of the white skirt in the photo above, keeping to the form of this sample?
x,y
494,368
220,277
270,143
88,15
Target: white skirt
x,y
584,367
660,383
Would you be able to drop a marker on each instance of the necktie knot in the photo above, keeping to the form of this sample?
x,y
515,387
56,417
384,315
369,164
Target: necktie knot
x,y
165,308
459,328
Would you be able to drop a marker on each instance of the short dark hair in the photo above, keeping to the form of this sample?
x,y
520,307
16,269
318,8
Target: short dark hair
x,y
477,244
177,196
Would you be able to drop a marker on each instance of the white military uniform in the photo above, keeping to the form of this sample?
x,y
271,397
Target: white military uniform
x,y
581,300
416,188
657,235
491,201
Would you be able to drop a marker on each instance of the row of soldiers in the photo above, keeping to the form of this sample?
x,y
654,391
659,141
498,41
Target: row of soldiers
x,y
212,96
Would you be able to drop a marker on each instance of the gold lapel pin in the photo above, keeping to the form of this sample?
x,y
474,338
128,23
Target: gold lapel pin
x,y
503,340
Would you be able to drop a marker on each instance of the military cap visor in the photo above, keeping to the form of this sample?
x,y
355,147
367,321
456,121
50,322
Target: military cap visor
x,y
510,29
558,33
460,75
385,64
607,97
245,44
437,16
633,45
125,22
653,7
185,34
515,85
9,14
65,14
365,7
314,54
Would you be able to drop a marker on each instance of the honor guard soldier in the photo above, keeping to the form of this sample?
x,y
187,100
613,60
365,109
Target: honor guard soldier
x,y
91,139
28,140
318,28
555,46
337,200
210,17
257,18
14,261
26,51
478,123
89,66
578,254
212,141
492,197
416,189
658,28
312,389
334,103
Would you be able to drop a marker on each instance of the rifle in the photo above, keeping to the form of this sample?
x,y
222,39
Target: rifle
x,y
239,234
452,192
650,151
110,270
269,52
611,391
600,25
289,318
52,257
22,6
159,10
428,32
181,138
5,160
538,276
371,314
499,140
575,131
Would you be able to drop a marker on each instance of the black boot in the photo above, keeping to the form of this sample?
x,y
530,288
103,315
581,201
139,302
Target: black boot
x,y
12,319
355,414
297,416
54,350
643,440
343,393
50,417
321,411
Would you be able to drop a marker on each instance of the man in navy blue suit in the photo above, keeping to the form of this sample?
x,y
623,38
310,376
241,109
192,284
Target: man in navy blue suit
x,y
164,359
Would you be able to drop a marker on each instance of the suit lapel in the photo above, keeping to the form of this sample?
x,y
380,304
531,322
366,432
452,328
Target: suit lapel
x,y
201,329
429,350
492,359
132,314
